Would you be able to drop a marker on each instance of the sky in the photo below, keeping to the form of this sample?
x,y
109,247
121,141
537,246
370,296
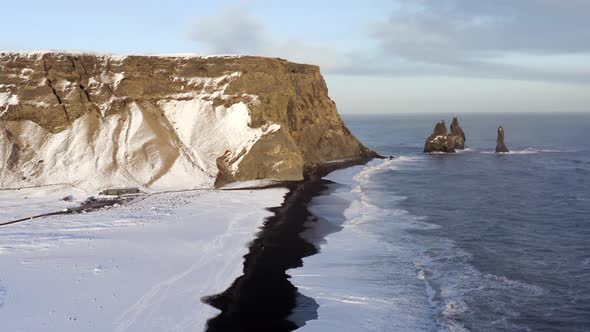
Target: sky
x,y
395,56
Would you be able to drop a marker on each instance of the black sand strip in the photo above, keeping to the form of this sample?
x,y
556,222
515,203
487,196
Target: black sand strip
x,y
263,297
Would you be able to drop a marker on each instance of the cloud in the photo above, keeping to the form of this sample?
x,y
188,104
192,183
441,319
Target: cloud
x,y
464,38
236,31
478,36
232,31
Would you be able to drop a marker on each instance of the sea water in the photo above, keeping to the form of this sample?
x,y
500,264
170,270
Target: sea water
x,y
472,241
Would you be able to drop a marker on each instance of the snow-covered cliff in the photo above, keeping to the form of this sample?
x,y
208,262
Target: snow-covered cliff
x,y
163,122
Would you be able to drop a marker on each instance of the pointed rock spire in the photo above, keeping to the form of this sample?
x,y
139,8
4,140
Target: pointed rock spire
x,y
457,131
440,128
500,146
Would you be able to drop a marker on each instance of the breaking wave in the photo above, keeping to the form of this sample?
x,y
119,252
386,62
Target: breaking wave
x,y
525,151
416,280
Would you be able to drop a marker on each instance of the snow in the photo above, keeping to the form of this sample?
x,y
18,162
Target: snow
x,y
93,83
437,138
4,97
119,57
6,100
36,201
250,184
206,130
96,153
110,78
40,53
206,133
138,147
41,104
140,267
25,74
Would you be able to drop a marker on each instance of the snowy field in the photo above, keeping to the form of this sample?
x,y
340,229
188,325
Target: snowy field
x,y
140,267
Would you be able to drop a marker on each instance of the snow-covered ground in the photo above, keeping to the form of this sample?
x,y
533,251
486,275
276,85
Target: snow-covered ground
x,y
140,267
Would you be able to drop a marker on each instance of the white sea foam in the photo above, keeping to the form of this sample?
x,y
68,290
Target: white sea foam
x,y
348,280
524,151
407,280
466,150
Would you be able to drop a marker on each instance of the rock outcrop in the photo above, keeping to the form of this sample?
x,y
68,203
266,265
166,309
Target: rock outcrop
x,y
442,141
163,121
500,146
458,134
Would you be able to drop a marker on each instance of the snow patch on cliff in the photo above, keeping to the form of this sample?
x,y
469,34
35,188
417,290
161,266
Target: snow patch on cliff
x,y
207,131
111,78
6,100
35,54
170,144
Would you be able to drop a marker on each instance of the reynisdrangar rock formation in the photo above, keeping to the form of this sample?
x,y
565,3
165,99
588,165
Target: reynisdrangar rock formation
x,y
442,141
500,146
163,121
458,134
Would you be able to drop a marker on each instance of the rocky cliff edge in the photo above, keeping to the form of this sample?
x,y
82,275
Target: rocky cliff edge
x,y
163,121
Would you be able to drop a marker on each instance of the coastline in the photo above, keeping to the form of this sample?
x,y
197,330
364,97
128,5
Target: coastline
x,y
140,267
126,269
263,298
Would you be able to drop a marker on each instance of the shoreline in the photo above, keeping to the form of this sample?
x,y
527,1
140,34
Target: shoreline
x,y
263,298
106,249
139,267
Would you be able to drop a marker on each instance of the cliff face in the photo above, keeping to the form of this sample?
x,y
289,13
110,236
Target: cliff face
x,y
163,122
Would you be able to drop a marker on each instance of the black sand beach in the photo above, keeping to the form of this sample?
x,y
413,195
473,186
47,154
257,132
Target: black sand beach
x,y
263,297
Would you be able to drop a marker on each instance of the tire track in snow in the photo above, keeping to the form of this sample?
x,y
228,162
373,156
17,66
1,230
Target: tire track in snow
x,y
131,315
237,225
4,289
158,292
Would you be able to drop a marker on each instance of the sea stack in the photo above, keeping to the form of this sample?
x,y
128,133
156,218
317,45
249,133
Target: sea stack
x,y
442,141
458,134
500,146
439,141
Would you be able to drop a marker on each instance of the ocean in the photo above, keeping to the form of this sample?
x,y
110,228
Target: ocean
x,y
472,241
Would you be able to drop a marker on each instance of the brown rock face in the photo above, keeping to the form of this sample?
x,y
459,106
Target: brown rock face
x,y
458,134
147,120
441,141
440,129
500,146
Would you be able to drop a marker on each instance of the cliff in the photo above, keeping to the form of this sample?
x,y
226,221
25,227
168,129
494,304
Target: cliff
x,y
163,121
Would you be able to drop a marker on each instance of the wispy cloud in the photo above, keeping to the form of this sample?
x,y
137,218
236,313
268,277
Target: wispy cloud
x,y
232,31
462,38
490,38
235,30
457,31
